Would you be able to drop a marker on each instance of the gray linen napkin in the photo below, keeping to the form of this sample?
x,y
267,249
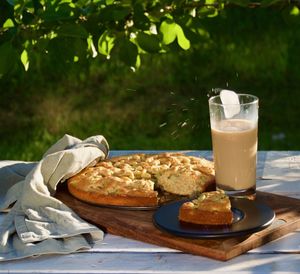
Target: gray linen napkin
x,y
37,223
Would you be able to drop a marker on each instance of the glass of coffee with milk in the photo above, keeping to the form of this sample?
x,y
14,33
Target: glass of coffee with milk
x,y
233,121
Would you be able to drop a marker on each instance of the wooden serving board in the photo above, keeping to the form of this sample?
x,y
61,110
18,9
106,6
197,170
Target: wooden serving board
x,y
138,225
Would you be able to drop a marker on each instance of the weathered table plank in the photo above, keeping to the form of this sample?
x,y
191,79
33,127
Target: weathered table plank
x,y
126,262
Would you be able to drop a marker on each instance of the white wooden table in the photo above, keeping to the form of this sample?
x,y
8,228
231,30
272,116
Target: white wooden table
x,y
120,255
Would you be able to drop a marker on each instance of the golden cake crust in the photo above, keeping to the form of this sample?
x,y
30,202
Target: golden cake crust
x,y
136,180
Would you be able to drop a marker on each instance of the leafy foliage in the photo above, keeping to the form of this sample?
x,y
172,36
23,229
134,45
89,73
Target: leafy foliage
x,y
163,105
76,31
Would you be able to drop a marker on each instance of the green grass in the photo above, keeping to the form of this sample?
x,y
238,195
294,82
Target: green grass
x,y
164,104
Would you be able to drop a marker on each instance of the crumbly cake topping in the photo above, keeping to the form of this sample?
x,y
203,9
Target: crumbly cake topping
x,y
113,181
158,163
139,174
211,201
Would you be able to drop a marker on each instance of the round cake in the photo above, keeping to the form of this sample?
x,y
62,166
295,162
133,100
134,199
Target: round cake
x,y
142,180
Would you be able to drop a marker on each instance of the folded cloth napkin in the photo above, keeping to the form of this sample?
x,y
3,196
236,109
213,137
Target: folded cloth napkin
x,y
38,223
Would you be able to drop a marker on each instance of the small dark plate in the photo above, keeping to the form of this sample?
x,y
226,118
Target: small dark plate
x,y
249,217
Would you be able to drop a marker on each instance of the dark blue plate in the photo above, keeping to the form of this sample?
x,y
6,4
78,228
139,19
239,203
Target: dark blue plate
x,y
249,217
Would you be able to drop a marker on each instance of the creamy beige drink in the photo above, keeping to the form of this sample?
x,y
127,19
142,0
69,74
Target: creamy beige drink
x,y
234,148
233,121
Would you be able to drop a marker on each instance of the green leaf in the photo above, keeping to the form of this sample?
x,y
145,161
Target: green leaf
x,y
171,31
106,43
8,24
91,47
60,50
210,2
295,11
73,30
27,17
207,12
138,61
168,28
183,42
120,13
114,13
141,21
7,58
127,52
148,42
62,12
291,17
63,51
25,59
80,49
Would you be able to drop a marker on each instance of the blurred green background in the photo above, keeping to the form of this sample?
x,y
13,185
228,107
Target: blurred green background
x,y
163,105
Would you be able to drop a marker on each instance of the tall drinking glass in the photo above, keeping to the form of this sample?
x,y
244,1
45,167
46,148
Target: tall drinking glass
x,y
234,141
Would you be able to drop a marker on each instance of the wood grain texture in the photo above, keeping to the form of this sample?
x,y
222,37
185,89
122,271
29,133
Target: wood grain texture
x,y
138,225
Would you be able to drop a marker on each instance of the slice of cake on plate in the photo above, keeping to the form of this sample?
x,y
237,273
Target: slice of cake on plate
x,y
210,208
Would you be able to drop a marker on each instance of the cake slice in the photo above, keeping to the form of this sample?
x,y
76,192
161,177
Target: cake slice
x,y
210,208
185,175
